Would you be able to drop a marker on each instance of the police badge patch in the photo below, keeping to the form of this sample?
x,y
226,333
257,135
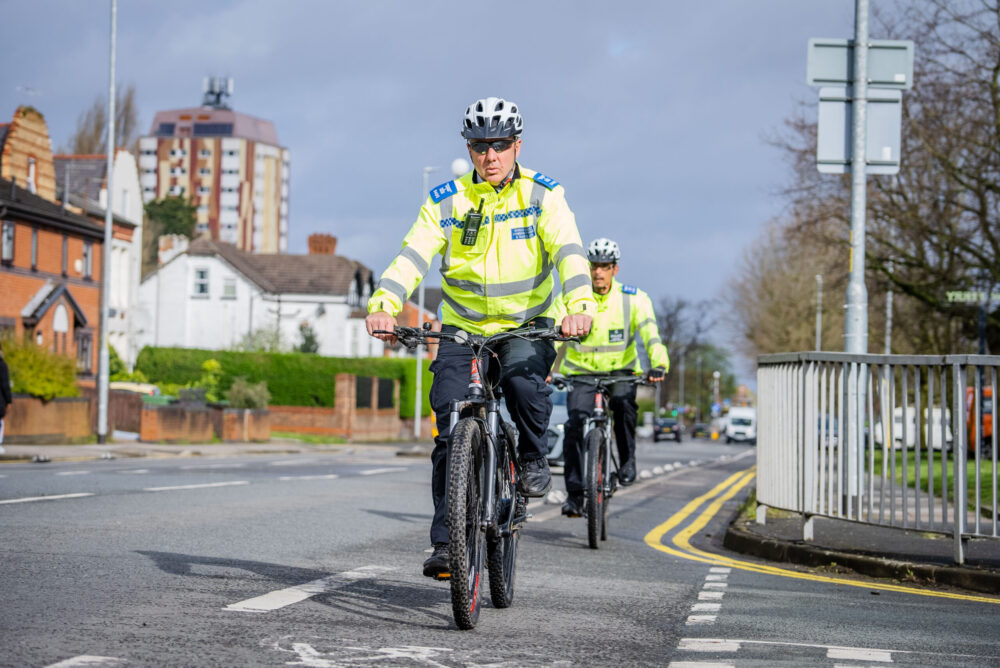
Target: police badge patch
x,y
616,335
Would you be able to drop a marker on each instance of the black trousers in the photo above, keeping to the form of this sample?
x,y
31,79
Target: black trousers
x,y
523,366
580,405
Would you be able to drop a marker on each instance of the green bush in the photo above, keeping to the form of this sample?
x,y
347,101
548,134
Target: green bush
x,y
293,379
248,395
40,372
118,370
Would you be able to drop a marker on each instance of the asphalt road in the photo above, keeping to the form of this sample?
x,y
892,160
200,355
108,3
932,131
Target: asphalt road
x,y
314,561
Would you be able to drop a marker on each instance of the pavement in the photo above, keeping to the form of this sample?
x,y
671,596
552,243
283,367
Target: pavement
x,y
881,552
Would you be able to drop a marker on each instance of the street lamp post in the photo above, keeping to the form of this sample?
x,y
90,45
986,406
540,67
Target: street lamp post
x,y
103,361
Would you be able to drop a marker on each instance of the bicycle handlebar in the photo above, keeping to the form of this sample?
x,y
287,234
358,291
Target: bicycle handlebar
x,y
599,379
413,336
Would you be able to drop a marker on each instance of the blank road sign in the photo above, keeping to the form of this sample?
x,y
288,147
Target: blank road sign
x,y
883,131
831,63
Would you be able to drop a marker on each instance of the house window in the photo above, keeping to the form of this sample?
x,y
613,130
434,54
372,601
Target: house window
x,y
201,282
229,288
34,249
7,254
65,254
84,342
88,259
205,171
176,191
205,153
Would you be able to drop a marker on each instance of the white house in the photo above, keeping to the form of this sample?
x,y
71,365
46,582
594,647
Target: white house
x,y
81,181
212,295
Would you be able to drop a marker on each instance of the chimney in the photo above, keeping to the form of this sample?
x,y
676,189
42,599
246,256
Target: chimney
x,y
322,244
171,245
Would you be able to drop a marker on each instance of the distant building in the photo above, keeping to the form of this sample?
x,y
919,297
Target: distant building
x,y
230,165
211,295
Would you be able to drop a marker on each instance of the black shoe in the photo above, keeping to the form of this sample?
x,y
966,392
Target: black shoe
x,y
438,564
626,475
573,506
536,479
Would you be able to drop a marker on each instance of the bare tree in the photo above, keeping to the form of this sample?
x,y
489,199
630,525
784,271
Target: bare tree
x,y
91,135
932,229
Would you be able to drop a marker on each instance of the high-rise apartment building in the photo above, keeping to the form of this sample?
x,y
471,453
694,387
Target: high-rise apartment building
x,y
230,165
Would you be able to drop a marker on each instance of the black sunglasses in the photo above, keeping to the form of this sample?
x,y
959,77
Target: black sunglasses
x,y
498,145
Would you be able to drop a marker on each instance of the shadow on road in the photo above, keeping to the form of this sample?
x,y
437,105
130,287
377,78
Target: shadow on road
x,y
409,518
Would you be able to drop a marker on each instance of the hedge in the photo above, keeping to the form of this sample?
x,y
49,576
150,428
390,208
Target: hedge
x,y
293,379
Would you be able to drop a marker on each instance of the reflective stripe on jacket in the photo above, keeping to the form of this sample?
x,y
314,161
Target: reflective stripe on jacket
x,y
623,313
505,279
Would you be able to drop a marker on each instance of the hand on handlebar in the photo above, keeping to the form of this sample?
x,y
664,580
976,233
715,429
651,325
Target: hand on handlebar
x,y
576,325
383,321
656,375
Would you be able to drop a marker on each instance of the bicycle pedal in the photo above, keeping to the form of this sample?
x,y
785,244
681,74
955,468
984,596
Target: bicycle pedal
x,y
443,576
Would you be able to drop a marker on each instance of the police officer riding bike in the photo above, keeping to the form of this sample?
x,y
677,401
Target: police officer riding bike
x,y
500,230
623,313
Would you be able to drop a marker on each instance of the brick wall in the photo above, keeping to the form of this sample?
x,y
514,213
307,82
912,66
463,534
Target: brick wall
x,y
190,424
63,420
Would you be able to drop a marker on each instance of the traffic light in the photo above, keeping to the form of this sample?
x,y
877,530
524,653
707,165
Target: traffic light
x,y
673,413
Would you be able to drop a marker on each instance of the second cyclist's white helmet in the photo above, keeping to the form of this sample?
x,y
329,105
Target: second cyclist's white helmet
x,y
492,118
603,250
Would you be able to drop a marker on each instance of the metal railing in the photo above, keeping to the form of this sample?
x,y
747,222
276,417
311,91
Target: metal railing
x,y
894,440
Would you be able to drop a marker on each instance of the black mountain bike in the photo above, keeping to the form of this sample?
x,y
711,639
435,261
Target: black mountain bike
x,y
486,508
599,479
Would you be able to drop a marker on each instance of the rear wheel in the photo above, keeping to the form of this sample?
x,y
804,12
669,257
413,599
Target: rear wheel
x,y
502,550
466,474
595,486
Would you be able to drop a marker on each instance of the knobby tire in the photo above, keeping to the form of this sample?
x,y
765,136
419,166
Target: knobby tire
x,y
595,486
466,473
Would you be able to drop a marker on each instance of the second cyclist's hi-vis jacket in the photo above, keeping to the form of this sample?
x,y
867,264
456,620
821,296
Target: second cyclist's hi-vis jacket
x,y
623,313
505,279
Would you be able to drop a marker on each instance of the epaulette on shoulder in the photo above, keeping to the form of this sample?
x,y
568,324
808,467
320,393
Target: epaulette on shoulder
x,y
443,191
546,181
630,289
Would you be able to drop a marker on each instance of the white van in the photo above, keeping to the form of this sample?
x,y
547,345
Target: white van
x,y
741,424
934,420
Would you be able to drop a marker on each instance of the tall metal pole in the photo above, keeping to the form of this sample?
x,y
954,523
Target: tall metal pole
x,y
680,398
418,399
856,325
888,319
819,311
103,361
856,328
700,414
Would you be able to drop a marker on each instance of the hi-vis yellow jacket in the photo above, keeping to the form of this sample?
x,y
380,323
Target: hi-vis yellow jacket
x,y
505,279
623,312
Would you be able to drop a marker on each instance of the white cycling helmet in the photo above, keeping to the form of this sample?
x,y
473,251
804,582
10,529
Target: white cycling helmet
x,y
492,118
603,250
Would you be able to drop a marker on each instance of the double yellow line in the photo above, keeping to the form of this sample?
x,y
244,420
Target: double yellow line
x,y
715,498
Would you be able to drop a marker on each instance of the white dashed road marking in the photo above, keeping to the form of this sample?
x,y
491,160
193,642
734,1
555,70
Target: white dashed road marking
x,y
699,664
54,497
708,645
86,661
201,486
378,471
72,472
290,595
135,471
859,654
328,476
195,467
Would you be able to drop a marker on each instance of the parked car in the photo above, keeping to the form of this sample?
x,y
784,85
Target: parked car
x,y
700,430
667,428
556,430
937,418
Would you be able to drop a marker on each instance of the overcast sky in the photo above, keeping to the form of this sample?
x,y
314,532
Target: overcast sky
x,y
653,115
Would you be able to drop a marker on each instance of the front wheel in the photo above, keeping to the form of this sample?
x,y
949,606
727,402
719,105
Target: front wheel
x,y
596,455
501,552
466,480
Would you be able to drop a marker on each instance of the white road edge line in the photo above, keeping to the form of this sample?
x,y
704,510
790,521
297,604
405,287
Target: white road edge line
x,y
54,497
283,597
87,660
859,654
708,645
201,486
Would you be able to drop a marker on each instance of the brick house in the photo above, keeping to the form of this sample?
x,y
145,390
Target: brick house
x,y
50,257
50,275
